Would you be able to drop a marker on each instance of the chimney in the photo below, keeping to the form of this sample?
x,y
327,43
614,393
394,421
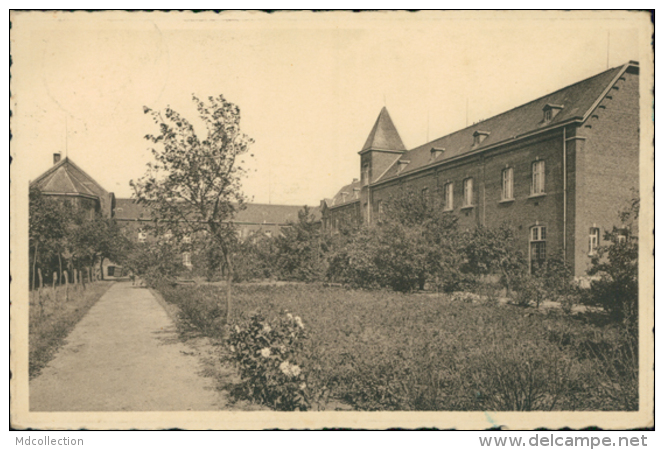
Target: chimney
x,y
56,157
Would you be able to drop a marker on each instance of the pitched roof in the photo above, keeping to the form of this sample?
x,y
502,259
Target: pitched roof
x,y
346,195
384,135
129,209
255,213
279,214
65,177
576,100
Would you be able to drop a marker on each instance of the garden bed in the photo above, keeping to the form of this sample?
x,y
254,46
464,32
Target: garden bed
x,y
381,350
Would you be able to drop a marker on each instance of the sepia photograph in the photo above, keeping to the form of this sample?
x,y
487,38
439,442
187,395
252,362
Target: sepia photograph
x,y
308,220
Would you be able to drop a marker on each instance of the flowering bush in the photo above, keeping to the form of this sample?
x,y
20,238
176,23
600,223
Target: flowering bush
x,y
270,357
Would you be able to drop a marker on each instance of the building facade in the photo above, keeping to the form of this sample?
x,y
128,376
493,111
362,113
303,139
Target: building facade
x,y
557,169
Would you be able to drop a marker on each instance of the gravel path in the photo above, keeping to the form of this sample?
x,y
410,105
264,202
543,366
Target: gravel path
x,y
124,355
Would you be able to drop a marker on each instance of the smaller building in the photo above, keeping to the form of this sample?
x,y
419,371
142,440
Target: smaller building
x,y
267,219
71,184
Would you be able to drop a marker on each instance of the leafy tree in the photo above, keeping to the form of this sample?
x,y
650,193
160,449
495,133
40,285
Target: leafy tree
x,y
492,251
50,221
100,239
616,264
154,261
255,258
301,248
194,184
413,243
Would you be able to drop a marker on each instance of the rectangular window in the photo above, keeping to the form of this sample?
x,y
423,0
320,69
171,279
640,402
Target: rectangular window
x,y
468,192
379,210
508,184
365,174
537,186
593,240
425,196
449,196
186,259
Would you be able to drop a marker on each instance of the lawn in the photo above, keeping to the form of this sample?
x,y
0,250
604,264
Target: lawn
x,y
53,314
381,350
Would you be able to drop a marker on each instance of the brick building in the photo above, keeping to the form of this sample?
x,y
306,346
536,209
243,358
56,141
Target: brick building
x,y
557,169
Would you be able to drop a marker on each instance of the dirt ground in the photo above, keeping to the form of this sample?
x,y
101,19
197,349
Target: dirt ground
x,y
124,355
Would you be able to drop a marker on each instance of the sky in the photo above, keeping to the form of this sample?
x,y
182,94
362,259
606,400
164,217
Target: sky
x,y
309,85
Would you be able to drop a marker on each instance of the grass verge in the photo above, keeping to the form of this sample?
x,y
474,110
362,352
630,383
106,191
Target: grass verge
x,y
52,317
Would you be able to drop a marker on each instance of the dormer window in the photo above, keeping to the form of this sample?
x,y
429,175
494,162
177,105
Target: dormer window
x,y
343,196
401,165
550,111
479,136
435,153
356,192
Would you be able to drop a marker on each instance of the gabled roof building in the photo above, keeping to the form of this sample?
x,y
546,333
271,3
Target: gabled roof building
x,y
68,182
557,169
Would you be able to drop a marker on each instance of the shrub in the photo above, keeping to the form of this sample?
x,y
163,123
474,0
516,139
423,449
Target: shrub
x,y
354,264
269,355
519,375
528,290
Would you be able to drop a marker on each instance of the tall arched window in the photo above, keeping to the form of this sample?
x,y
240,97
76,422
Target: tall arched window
x,y
537,247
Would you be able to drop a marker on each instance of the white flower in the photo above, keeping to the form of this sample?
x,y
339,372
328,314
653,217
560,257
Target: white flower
x,y
266,328
303,386
289,369
298,321
285,367
232,348
282,348
237,329
265,352
290,316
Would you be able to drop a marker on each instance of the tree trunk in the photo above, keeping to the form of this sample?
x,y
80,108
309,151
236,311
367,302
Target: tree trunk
x,y
101,267
66,277
55,294
60,265
41,280
229,288
34,266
